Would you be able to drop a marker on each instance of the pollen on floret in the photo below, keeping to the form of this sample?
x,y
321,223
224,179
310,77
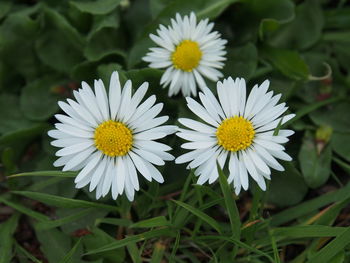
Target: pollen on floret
x,y
235,133
186,55
113,138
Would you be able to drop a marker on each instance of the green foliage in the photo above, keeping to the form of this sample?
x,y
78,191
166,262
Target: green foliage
x,y
48,47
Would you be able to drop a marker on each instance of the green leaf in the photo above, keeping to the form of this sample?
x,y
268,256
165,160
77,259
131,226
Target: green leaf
x,y
97,7
310,206
98,238
68,257
288,62
311,108
304,31
332,248
307,231
53,243
65,220
341,144
158,252
38,100
230,204
104,21
241,61
211,221
316,168
59,201
152,222
24,210
113,221
17,36
7,229
46,173
5,7
60,45
132,239
24,252
287,188
11,117
333,116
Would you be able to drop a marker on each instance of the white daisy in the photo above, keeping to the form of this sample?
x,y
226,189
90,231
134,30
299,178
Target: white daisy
x,y
237,130
110,138
187,50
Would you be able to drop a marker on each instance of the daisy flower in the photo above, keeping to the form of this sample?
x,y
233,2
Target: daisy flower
x,y
237,130
109,138
188,51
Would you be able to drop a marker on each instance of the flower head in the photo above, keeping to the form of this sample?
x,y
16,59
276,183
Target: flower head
x,y
188,51
237,130
109,138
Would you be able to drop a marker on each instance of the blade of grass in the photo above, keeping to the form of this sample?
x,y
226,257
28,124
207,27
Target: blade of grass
x,y
113,221
7,229
309,206
230,204
152,222
24,210
46,173
175,247
133,239
211,221
158,252
64,202
64,220
332,248
27,254
68,257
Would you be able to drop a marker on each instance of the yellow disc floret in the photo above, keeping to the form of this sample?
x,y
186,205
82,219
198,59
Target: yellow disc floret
x,y
186,55
235,134
113,138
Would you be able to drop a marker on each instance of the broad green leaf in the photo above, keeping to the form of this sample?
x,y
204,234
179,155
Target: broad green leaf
x,y
288,62
333,116
102,44
152,222
241,61
209,220
18,33
11,116
60,46
132,239
315,167
332,248
341,144
311,108
7,229
104,21
54,244
300,34
230,204
59,201
96,7
38,100
287,188
5,7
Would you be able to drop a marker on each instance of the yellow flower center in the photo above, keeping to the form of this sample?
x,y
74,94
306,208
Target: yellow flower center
x,y
113,138
186,55
235,133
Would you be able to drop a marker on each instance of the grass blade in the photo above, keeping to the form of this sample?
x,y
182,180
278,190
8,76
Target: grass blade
x,y
332,248
68,257
230,204
64,202
211,221
152,222
46,173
